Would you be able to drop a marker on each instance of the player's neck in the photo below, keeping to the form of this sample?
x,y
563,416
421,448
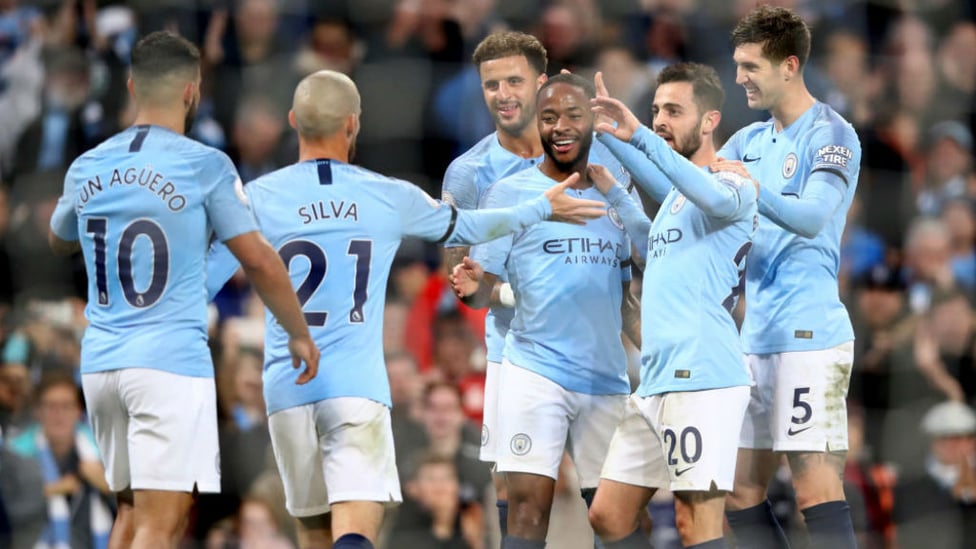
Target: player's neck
x,y
525,145
556,173
335,149
169,118
706,153
794,103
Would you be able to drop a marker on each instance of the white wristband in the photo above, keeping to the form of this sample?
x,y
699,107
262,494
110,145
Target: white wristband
x,y
506,296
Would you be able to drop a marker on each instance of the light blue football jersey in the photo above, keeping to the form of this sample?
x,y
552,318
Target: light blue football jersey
x,y
144,204
567,281
697,251
792,296
466,181
337,228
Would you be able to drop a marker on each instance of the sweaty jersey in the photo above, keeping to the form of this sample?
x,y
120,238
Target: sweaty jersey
x,y
466,181
337,227
144,204
567,281
697,250
792,299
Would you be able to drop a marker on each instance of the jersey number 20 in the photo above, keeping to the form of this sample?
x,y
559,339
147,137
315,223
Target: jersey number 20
x,y
318,266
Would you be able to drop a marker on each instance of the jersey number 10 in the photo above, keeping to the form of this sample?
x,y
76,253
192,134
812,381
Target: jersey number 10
x,y
98,228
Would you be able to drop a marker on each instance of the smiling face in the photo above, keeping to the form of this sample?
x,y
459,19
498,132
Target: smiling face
x,y
677,118
509,85
763,80
565,126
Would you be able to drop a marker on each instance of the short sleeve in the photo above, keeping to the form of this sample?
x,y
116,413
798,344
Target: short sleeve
x,y
730,150
423,216
64,220
834,148
493,255
228,208
460,187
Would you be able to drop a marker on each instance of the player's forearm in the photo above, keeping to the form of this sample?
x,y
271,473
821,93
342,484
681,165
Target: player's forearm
x,y
477,226
454,256
645,173
271,281
806,215
485,296
702,189
630,316
636,223
221,266
62,247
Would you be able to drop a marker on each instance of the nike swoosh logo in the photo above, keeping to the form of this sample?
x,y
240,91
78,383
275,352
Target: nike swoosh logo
x,y
747,159
679,472
791,432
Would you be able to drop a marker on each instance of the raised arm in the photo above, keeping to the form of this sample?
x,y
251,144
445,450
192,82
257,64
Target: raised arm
x,y
637,224
702,189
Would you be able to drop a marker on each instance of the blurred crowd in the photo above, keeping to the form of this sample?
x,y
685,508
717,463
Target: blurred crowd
x,y
903,72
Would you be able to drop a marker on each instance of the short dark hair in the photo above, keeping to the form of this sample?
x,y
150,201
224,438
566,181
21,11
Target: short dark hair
x,y
780,31
57,378
574,80
704,81
162,54
509,44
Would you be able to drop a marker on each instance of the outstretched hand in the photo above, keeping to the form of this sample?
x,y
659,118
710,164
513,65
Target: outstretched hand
x,y
572,210
611,111
466,277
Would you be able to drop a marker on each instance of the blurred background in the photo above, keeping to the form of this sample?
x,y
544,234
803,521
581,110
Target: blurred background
x,y
903,72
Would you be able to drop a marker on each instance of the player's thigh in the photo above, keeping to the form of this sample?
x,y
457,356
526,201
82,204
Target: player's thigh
x,y
755,432
334,450
356,438
489,422
533,422
172,434
594,423
636,454
110,425
810,400
699,432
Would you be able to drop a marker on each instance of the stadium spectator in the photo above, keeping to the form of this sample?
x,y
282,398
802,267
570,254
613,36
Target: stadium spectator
x,y
79,502
936,509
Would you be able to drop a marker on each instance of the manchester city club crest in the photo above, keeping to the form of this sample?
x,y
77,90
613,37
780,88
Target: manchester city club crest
x,y
615,218
789,165
678,203
521,444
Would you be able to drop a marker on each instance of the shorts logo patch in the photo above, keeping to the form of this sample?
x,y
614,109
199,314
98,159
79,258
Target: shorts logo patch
x,y
679,472
521,444
484,435
789,165
793,432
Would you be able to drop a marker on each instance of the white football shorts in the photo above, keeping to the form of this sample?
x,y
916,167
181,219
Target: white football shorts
x,y
536,416
334,450
156,430
489,421
799,401
685,441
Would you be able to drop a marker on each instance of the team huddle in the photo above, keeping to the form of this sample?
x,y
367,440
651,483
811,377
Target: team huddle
x,y
542,224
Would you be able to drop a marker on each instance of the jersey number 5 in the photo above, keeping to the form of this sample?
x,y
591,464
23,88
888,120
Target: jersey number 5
x,y
159,275
318,267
